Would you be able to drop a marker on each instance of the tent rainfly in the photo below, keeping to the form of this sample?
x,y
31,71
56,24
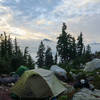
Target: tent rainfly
x,y
38,83
58,70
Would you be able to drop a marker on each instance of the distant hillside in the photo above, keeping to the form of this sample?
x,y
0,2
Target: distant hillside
x,y
48,40
34,44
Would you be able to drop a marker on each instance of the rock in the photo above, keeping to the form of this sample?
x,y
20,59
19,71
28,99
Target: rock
x,y
92,65
86,94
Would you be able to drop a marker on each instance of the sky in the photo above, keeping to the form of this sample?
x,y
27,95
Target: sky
x,y
30,20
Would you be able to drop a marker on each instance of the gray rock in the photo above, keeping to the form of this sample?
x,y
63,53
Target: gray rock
x,y
92,65
86,94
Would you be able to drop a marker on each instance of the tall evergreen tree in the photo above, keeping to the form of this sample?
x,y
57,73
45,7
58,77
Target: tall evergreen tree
x,y
6,52
4,45
30,62
56,59
26,55
10,47
80,45
73,49
40,55
88,53
48,58
16,47
64,45
17,59
11,56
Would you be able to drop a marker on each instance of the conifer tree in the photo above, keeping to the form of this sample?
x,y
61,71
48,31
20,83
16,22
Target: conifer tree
x,y
48,58
26,55
30,62
10,47
73,49
56,59
64,45
16,47
80,45
88,53
40,55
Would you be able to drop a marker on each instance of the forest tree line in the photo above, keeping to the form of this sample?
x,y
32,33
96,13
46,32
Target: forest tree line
x,y
11,56
70,52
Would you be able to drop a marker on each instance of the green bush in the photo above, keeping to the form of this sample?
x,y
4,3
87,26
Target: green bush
x,y
76,71
96,81
62,98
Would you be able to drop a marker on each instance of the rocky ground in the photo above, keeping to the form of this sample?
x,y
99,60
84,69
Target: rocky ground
x,y
86,94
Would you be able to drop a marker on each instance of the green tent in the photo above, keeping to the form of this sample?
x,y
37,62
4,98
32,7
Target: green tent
x,y
38,83
21,70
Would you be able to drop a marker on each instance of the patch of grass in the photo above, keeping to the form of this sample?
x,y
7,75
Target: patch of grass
x,y
63,98
76,71
96,81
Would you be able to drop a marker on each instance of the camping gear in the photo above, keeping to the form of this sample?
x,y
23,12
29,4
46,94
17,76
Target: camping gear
x,y
54,98
38,83
82,83
21,70
58,70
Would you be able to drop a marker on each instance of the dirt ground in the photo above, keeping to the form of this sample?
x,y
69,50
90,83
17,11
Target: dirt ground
x,y
4,93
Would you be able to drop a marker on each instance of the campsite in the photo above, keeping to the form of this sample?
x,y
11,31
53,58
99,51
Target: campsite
x,y
49,49
43,84
73,74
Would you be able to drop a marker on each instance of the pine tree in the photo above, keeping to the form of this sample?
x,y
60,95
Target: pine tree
x,y
30,62
80,45
88,53
18,57
64,45
5,52
26,55
3,45
16,47
10,47
56,59
40,55
11,56
73,49
48,57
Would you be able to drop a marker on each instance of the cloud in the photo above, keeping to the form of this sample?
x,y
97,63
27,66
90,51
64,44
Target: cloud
x,y
71,9
44,18
17,1
43,22
2,0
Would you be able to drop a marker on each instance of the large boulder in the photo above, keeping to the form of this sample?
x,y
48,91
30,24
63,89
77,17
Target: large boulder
x,y
92,65
86,94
